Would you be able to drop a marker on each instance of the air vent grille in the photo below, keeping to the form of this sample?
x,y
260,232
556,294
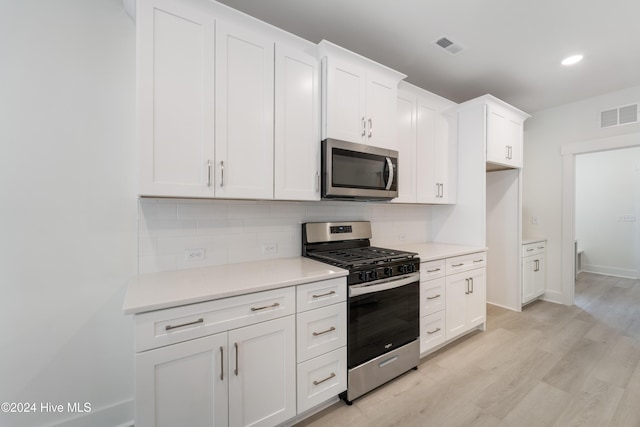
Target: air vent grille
x,y
619,116
448,45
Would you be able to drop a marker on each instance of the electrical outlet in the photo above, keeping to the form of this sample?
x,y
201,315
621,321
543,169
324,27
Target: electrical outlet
x,y
534,219
194,255
269,248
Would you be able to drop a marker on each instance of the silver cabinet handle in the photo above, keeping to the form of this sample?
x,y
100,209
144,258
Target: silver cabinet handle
x,y
235,371
370,127
326,379
221,363
433,271
331,329
433,332
471,280
437,296
222,174
323,295
467,291
209,165
529,250
364,126
506,147
275,304
437,190
170,327
478,260
317,181
540,247
457,265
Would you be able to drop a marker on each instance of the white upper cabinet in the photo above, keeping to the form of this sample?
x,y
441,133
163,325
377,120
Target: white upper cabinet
x,y
427,145
358,98
505,126
244,114
175,99
297,125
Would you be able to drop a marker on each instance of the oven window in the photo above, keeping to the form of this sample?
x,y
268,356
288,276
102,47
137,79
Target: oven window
x,y
382,321
359,170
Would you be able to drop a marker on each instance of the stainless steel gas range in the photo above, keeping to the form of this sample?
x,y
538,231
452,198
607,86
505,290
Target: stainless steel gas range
x,y
383,302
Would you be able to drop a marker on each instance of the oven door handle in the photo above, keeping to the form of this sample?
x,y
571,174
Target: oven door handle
x,y
382,285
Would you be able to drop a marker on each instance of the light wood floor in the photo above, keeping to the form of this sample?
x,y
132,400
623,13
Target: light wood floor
x,y
550,365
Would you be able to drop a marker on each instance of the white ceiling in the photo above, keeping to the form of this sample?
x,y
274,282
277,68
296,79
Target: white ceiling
x,y
512,48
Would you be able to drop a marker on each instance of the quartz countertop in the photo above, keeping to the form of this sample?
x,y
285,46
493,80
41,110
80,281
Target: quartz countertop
x,y
430,251
155,291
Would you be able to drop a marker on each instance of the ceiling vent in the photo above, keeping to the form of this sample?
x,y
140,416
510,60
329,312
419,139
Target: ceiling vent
x,y
619,116
448,45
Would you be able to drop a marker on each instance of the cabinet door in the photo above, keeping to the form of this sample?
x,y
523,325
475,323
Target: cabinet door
x,y
477,301
344,92
456,303
406,139
262,381
183,384
504,137
528,278
381,98
175,99
539,279
297,128
244,114
427,187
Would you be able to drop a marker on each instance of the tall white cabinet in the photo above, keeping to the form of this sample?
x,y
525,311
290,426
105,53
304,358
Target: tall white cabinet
x,y
358,98
427,143
225,110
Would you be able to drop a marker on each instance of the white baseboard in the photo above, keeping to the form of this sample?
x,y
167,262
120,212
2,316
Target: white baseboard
x,y
610,271
553,296
116,415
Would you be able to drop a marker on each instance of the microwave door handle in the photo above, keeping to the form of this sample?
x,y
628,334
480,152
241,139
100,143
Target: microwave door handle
x,y
390,181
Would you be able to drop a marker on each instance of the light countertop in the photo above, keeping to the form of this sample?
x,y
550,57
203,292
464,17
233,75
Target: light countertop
x,y
430,251
156,291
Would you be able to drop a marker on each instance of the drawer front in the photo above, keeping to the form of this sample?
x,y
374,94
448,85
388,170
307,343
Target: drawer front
x,y
321,378
533,249
321,294
432,331
466,262
322,330
173,325
432,296
432,269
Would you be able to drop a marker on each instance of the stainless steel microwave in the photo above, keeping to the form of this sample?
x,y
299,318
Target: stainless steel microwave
x,y
358,172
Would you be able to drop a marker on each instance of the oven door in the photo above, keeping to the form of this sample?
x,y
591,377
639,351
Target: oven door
x,y
383,315
358,171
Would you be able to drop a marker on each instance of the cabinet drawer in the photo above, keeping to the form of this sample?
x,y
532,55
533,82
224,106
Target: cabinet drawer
x,y
432,296
321,330
321,294
164,327
432,269
466,262
432,331
321,378
533,248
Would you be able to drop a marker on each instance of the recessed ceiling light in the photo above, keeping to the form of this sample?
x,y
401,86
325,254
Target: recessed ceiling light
x,y
574,59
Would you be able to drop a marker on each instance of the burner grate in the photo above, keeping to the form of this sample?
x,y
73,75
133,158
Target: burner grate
x,y
362,256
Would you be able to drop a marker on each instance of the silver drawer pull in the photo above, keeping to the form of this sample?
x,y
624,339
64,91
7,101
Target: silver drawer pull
x,y
478,260
437,296
326,379
457,265
331,329
170,327
529,250
433,332
324,295
433,271
275,304
540,247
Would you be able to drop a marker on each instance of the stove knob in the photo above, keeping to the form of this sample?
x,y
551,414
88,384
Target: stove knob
x,y
373,275
411,268
363,276
388,271
402,269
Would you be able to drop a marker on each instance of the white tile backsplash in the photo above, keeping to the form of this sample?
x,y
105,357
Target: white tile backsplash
x,y
232,231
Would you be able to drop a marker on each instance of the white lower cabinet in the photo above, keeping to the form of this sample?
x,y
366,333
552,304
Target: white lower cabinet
x,y
533,271
248,360
452,298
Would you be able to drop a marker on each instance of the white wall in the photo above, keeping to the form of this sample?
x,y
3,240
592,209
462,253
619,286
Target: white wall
x,y
608,187
68,216
235,231
545,132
